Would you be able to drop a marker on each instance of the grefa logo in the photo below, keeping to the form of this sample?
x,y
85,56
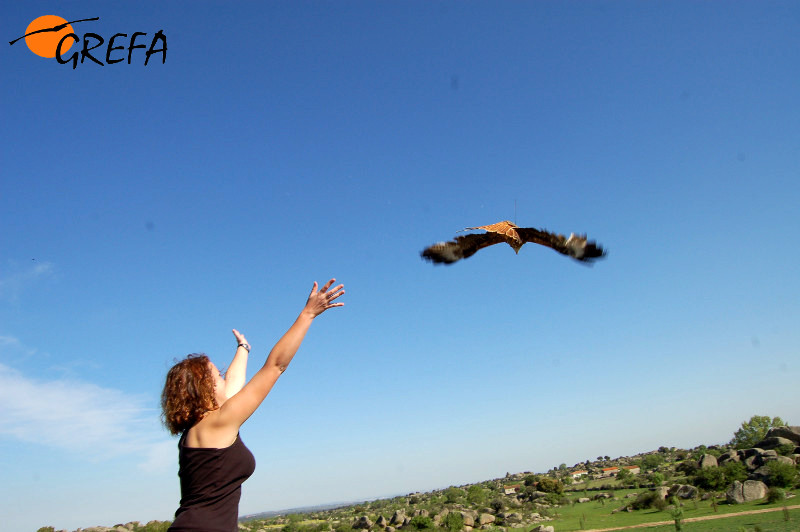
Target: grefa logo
x,y
52,36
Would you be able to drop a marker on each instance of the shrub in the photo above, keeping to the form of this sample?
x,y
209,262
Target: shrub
x,y
421,522
734,471
785,449
649,499
497,505
781,475
553,498
688,468
712,478
453,522
775,495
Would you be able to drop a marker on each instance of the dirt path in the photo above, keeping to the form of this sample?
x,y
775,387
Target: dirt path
x,y
690,519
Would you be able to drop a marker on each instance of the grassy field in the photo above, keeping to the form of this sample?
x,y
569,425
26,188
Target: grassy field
x,y
767,522
597,515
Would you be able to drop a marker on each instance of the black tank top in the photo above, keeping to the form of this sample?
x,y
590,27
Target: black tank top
x,y
211,485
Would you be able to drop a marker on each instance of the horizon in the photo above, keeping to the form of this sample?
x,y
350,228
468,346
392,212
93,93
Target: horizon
x,y
147,210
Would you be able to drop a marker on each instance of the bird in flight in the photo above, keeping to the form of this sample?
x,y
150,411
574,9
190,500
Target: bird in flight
x,y
575,246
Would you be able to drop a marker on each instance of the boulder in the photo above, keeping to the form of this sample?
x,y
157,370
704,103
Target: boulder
x,y
662,492
363,522
485,519
381,522
397,518
760,473
584,499
683,491
781,459
543,528
513,517
707,460
790,433
749,490
774,441
730,456
469,519
602,496
752,462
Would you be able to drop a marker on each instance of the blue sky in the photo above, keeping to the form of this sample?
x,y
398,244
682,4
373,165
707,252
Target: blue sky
x,y
147,210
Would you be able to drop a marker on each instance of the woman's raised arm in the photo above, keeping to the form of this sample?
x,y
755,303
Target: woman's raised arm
x,y
236,375
241,406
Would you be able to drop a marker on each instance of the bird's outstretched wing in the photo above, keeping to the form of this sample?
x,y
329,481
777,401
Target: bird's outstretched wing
x,y
460,248
575,246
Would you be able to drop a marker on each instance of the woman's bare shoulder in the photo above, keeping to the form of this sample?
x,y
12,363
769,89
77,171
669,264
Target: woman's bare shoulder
x,y
209,433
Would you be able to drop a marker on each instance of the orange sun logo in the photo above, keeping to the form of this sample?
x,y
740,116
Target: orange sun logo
x,y
44,43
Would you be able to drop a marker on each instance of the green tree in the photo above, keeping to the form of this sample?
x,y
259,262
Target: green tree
x,y
476,495
625,476
530,480
754,430
652,461
453,495
549,485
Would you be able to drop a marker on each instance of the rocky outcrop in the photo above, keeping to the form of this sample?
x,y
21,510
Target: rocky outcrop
x,y
749,490
683,491
543,528
791,434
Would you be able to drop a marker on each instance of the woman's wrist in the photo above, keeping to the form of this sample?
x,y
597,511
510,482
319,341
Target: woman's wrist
x,y
245,346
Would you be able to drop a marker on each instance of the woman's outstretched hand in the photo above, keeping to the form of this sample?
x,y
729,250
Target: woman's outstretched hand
x,y
321,300
241,340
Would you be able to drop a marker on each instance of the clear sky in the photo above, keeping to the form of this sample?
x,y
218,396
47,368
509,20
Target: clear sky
x,y
147,210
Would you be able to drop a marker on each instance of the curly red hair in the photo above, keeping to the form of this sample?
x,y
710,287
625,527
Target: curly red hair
x,y
188,393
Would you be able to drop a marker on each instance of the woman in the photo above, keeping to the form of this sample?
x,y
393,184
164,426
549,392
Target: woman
x,y
207,409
